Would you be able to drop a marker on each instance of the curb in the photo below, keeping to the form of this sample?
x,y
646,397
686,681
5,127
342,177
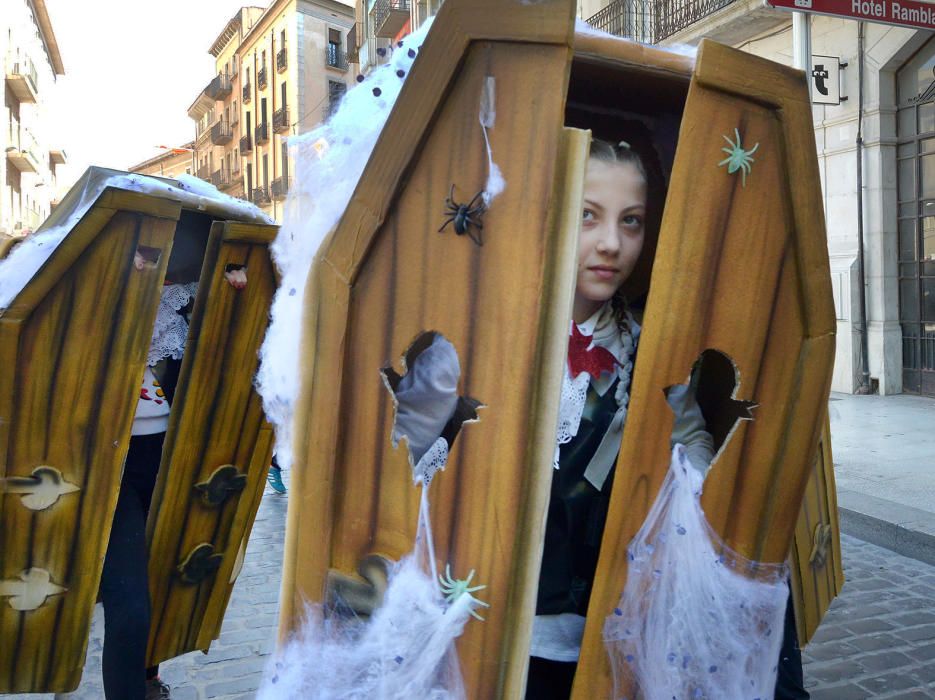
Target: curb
x,y
903,529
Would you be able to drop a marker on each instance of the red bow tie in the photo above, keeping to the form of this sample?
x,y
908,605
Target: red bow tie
x,y
594,361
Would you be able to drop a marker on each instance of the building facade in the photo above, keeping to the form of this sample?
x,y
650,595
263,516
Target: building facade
x,y
876,153
217,109
31,64
381,23
280,72
294,69
172,163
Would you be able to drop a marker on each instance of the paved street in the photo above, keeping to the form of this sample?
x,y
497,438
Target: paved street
x,y
878,640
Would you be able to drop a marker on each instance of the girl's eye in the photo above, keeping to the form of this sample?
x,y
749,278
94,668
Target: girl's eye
x,y
587,215
632,220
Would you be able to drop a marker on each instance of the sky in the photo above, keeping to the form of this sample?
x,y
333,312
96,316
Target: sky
x,y
132,69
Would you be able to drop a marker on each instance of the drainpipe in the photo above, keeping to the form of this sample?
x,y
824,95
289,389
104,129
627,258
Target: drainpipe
x,y
864,387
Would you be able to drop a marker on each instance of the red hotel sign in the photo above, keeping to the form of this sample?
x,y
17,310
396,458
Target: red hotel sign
x,y
902,13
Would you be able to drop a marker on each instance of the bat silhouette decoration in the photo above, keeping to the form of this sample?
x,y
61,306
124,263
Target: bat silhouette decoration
x,y
222,483
41,489
30,590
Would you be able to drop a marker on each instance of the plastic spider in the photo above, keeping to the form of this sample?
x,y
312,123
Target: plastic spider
x,y
464,216
737,158
454,588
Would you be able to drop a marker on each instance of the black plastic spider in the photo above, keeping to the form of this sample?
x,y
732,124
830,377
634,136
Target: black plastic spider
x,y
464,216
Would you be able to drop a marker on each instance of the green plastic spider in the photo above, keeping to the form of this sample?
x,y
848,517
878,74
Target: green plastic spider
x,y
454,588
737,158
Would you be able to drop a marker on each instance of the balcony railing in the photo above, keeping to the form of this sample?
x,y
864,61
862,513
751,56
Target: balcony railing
x,y
246,144
261,134
23,152
23,79
281,60
261,197
281,120
221,132
221,178
651,21
279,187
247,93
389,17
261,78
335,58
219,88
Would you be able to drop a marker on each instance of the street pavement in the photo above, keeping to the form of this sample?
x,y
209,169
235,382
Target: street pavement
x,y
877,641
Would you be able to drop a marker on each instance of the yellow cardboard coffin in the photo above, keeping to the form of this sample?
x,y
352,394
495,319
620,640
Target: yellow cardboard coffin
x,y
73,344
740,266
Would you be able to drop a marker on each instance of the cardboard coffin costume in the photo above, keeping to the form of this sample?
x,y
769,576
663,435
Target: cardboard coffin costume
x,y
73,344
740,266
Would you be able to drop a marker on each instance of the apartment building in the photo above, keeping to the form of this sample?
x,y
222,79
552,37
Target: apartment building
x,y
31,64
216,110
381,23
294,70
172,163
876,153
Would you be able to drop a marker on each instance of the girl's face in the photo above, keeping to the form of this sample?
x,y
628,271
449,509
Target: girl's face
x,y
612,231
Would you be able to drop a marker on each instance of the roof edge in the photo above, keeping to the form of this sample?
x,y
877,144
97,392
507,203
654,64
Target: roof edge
x,y
48,36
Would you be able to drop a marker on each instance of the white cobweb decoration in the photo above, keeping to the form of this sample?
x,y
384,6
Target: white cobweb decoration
x,y
405,650
328,162
696,620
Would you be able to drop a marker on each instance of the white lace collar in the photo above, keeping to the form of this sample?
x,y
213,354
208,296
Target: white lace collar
x,y
170,330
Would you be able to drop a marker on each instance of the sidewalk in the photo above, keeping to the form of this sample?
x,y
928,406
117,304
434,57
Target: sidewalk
x,y
884,465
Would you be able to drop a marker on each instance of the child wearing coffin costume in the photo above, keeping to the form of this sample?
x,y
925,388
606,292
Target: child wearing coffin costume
x,y
124,581
595,395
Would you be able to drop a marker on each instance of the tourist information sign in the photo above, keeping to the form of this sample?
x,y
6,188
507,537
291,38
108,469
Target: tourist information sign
x,y
902,13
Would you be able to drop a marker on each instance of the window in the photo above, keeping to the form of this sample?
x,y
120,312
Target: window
x,y
334,48
336,90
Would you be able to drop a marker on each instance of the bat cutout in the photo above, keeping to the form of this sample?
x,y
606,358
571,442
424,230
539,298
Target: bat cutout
x,y
221,485
716,382
41,489
200,563
350,596
31,590
429,411
821,541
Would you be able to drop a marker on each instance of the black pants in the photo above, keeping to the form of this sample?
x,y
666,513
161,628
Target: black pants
x,y
552,680
124,581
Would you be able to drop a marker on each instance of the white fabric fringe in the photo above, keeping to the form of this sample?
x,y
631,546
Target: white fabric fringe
x,y
696,619
404,651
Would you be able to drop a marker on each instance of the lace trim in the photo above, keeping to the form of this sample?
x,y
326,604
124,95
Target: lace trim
x,y
434,460
575,391
170,330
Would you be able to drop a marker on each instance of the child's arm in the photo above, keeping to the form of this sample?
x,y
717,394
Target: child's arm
x,y
689,427
237,278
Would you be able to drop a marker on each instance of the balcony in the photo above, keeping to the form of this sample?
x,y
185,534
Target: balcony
x,y
630,19
335,58
246,144
653,21
22,79
279,187
23,153
261,197
221,178
261,135
389,17
261,78
204,172
281,120
219,88
247,93
221,132
281,61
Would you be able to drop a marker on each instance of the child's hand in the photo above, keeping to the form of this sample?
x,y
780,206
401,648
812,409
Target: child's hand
x,y
138,260
237,278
